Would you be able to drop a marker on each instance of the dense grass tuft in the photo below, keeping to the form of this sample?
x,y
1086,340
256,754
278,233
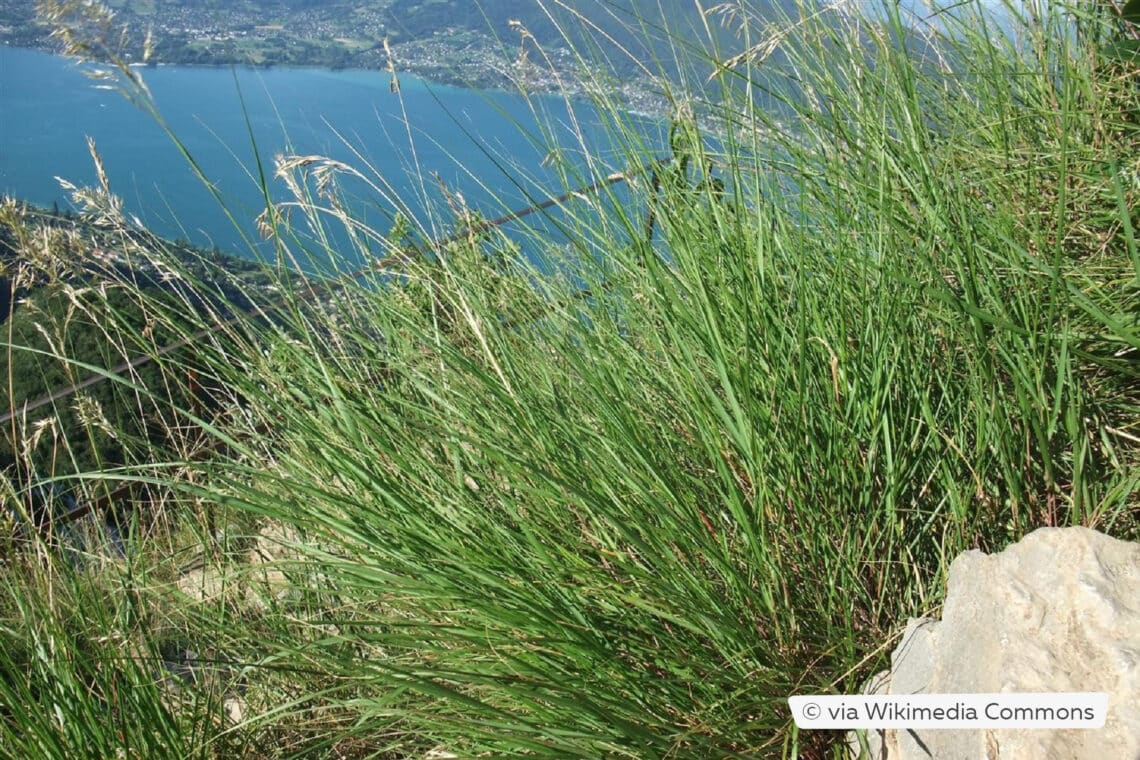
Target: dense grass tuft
x,y
625,511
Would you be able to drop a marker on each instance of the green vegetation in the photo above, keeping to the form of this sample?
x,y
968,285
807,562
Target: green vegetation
x,y
465,508
86,303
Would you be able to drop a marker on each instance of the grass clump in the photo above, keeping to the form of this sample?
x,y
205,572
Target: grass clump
x,y
628,510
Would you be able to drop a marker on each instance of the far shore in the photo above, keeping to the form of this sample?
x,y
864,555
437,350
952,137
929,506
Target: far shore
x,y
425,75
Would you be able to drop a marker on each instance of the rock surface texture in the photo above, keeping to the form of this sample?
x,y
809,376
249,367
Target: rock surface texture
x,y
1057,612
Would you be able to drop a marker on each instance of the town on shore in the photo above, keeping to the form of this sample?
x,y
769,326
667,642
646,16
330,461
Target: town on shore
x,y
337,35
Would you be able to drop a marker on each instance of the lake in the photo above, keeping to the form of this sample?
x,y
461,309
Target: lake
x,y
486,145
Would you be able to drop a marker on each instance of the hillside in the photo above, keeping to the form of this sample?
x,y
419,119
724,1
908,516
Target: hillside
x,y
462,41
86,298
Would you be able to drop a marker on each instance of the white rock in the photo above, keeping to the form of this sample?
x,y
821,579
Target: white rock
x,y
1057,612
204,584
234,708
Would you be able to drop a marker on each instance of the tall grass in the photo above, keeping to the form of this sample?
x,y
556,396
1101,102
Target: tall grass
x,y
628,510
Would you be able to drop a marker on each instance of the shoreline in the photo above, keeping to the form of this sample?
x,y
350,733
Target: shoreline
x,y
579,94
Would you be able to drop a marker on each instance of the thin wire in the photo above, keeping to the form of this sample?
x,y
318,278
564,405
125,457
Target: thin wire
x,y
399,258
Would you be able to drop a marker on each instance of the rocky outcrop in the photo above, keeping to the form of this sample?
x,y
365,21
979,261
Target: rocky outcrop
x,y
1057,612
257,581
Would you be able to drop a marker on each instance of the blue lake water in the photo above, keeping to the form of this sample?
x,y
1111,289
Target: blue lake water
x,y
481,144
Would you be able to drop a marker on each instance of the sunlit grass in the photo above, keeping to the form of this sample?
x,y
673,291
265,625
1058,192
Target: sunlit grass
x,y
892,321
